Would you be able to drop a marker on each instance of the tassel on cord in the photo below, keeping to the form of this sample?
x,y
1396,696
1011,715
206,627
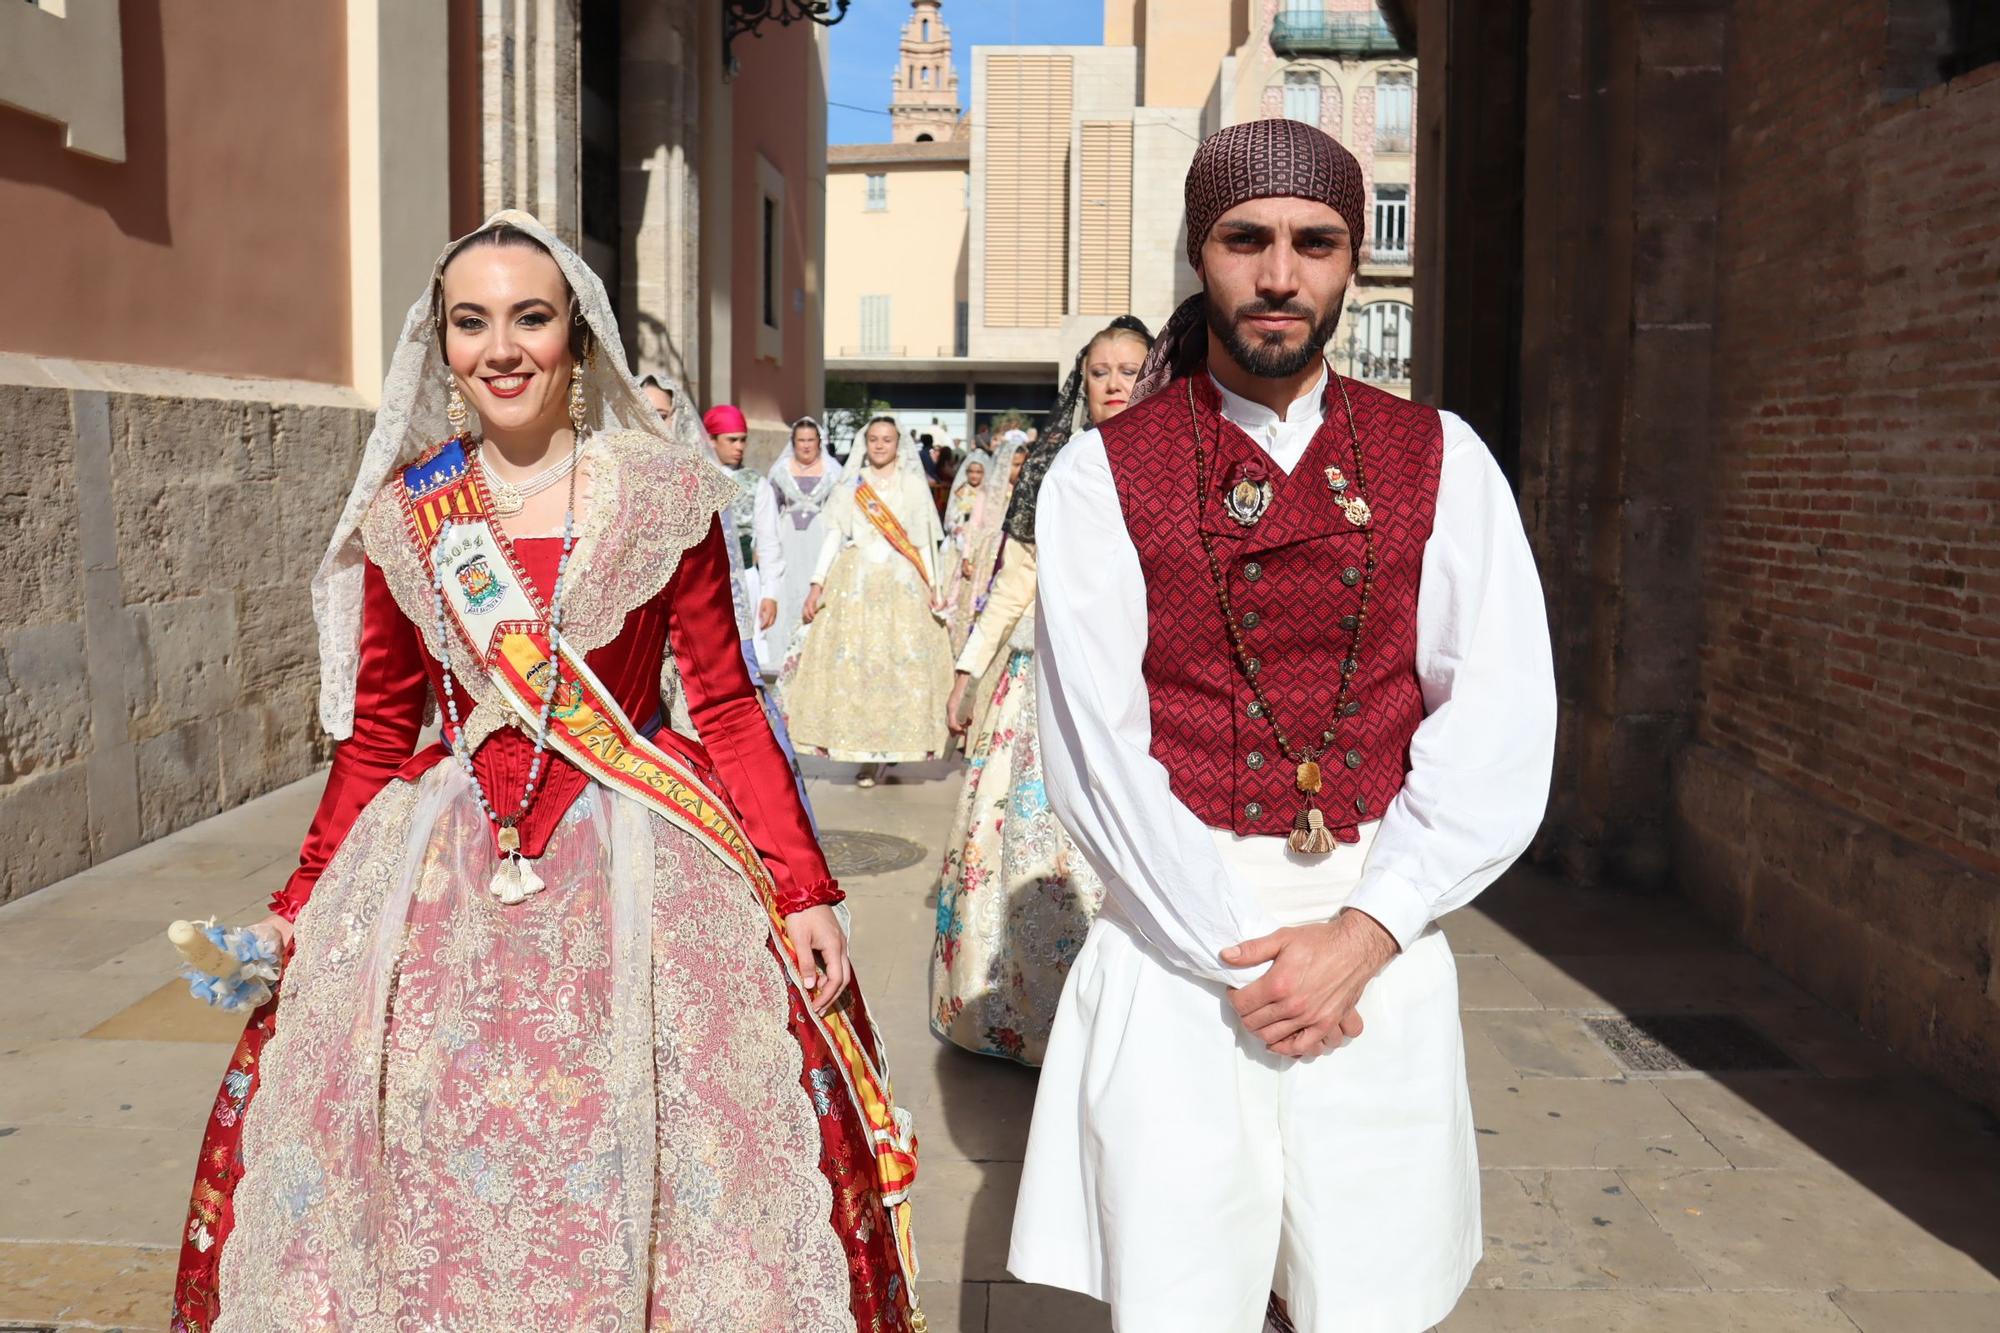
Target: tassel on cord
x,y
1310,836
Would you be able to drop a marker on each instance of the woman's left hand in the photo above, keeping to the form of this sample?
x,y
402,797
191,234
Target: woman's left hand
x,y
821,947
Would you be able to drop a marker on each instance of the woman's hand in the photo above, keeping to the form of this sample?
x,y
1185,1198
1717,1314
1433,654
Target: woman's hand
x,y
954,722
278,926
812,604
821,947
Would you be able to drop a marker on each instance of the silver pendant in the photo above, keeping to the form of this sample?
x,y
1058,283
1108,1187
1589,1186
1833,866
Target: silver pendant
x,y
1247,500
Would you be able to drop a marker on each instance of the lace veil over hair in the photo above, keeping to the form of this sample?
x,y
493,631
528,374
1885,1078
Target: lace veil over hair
x,y
411,421
1069,416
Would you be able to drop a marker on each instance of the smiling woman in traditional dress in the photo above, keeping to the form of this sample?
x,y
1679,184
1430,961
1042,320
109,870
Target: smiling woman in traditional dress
x,y
569,1037
872,678
1016,900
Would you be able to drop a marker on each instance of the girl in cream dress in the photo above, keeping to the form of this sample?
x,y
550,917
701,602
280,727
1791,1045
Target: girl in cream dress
x,y
871,681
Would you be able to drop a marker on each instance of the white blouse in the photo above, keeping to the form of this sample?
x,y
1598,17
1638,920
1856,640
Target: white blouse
x,y
1480,761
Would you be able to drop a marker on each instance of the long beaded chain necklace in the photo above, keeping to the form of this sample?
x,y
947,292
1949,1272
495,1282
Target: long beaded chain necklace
x,y
1310,834
515,881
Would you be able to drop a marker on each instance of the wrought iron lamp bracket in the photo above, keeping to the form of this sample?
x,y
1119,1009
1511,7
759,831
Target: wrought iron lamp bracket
x,y
741,16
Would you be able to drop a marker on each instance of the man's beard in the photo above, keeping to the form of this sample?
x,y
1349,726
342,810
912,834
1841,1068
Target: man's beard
x,y
1266,355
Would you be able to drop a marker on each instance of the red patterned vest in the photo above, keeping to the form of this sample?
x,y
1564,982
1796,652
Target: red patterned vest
x,y
1294,578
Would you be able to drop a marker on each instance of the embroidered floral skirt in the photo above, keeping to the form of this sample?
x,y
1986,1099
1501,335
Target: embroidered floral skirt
x,y
1016,898
874,670
603,1108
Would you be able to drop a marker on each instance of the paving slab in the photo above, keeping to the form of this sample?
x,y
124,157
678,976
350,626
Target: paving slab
x,y
126,1287
1921,1311
1805,1230
1573,1229
1543,1043
1561,1123
1647,1312
1019,1308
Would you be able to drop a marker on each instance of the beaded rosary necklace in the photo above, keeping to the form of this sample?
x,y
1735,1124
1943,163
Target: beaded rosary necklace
x,y
515,880
1310,834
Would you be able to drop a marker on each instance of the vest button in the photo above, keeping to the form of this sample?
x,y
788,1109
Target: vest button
x,y
1350,576
1350,621
1361,805
1349,667
1254,810
1252,619
1354,758
1255,709
1252,666
1255,759
1350,708
1253,571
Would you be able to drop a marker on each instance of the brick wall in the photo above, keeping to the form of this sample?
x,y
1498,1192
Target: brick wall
x,y
1840,803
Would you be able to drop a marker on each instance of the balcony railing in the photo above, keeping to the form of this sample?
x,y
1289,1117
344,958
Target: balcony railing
x,y
1392,141
1397,258
1334,35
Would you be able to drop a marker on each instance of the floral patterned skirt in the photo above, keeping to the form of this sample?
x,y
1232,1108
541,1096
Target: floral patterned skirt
x,y
1016,898
603,1108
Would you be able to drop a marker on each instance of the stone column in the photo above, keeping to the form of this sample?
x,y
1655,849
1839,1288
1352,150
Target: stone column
x,y
530,80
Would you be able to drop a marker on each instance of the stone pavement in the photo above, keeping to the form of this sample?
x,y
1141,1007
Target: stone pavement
x,y
1847,1194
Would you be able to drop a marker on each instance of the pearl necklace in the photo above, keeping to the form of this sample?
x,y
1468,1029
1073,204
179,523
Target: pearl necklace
x,y
510,496
515,881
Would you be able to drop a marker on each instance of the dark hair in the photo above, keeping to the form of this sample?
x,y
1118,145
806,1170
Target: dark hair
x,y
509,234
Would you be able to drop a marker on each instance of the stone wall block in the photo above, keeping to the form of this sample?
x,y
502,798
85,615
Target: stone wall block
x,y
1675,168
1939,910
1667,437
1673,281
44,699
1828,952
1679,34
178,439
261,745
1659,635
39,577
277,644
239,529
1714,839
191,647
178,778
46,841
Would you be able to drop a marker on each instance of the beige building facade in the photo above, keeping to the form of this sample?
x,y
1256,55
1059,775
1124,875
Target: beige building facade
x,y
219,218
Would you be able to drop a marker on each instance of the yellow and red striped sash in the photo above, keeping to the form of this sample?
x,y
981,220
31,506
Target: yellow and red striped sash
x,y
875,511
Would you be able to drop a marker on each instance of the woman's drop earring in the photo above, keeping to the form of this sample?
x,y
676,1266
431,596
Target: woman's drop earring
x,y
457,414
577,412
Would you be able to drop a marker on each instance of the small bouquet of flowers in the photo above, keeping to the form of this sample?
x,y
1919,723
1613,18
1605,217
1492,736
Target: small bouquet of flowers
x,y
229,967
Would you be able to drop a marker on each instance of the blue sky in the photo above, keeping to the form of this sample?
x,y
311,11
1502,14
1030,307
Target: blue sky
x,y
863,50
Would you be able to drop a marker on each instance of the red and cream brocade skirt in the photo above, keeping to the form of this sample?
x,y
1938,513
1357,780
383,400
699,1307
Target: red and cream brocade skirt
x,y
604,1108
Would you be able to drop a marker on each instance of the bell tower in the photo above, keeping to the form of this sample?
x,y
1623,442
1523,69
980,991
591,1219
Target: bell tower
x,y
923,97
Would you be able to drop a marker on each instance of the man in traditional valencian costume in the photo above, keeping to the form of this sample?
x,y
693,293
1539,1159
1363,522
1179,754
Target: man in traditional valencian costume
x,y
1296,704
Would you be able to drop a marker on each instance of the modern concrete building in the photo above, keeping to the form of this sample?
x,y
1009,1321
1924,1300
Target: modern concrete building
x,y
216,218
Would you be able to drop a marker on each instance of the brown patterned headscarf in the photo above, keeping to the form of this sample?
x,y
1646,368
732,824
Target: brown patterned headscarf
x,y
1258,159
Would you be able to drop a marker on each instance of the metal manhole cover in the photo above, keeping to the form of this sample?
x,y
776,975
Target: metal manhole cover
x,y
859,852
1680,1043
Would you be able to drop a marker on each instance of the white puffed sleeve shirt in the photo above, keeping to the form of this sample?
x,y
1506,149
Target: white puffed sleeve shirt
x,y
1480,761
